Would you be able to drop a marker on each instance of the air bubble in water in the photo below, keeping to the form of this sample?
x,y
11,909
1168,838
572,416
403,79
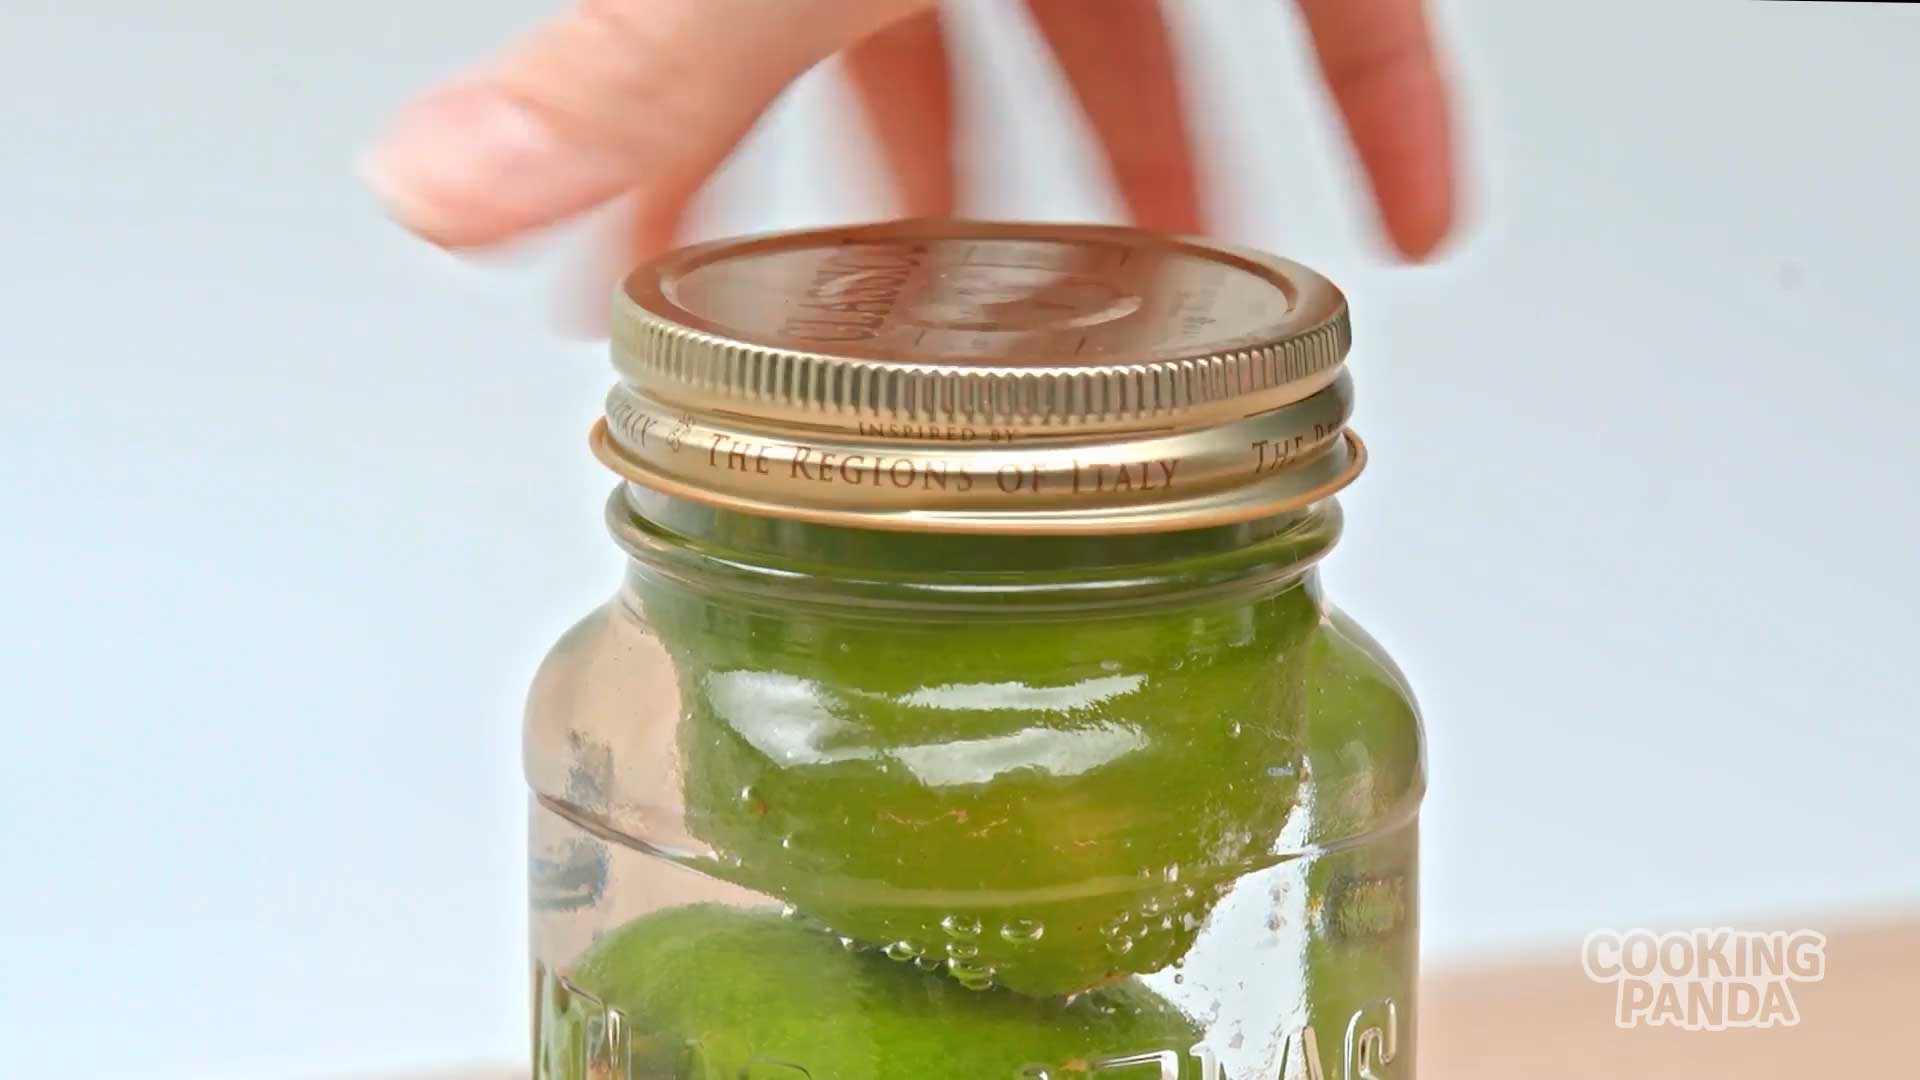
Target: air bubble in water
x,y
903,951
1023,931
927,962
1120,946
962,950
971,974
960,926
849,944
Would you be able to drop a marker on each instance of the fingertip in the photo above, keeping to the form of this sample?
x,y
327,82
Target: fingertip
x,y
1174,208
1384,70
1403,135
1421,227
1119,59
467,166
903,78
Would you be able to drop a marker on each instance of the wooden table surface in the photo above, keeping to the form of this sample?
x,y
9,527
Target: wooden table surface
x,y
1545,1019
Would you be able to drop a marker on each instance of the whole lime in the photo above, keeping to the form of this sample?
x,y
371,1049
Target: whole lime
x,y
706,993
1043,804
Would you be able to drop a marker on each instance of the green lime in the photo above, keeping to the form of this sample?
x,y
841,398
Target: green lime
x,y
713,993
1040,804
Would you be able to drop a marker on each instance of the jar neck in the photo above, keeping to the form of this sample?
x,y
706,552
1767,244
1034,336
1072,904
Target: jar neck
x,y
787,561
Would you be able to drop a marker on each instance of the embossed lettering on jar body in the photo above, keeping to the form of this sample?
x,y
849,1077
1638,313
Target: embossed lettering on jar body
x,y
1039,755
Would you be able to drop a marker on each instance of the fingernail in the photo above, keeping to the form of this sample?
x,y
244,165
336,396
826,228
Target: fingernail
x,y
467,165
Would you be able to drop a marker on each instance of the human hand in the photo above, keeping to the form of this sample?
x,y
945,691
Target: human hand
x,y
647,98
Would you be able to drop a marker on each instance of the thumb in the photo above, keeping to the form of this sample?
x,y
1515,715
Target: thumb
x,y
647,96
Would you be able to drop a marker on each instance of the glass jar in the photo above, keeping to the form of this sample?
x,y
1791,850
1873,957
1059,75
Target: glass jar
x,y
972,707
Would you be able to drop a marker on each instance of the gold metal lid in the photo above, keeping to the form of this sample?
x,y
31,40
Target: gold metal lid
x,y
965,376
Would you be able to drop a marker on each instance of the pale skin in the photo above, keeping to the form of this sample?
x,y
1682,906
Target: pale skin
x,y
646,98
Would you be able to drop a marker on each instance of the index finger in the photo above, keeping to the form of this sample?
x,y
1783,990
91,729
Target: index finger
x,y
617,96
1380,63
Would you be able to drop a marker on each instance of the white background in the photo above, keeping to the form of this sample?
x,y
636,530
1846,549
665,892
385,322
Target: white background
x,y
290,506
